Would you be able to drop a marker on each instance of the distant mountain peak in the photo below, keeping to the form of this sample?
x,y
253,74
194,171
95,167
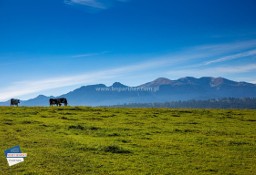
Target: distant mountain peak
x,y
158,82
187,79
162,80
42,96
118,85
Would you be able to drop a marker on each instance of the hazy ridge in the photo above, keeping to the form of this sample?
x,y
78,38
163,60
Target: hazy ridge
x,y
158,91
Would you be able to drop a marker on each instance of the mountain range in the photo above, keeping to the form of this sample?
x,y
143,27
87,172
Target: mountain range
x,y
159,90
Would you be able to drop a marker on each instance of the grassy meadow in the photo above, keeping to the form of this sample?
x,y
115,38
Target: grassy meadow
x,y
84,140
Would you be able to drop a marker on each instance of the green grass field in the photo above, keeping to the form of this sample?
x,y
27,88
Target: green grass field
x,y
83,140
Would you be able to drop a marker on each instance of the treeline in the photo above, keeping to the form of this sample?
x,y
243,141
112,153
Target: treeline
x,y
224,103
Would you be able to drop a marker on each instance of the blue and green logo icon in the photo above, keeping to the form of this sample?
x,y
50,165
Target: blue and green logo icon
x,y
14,155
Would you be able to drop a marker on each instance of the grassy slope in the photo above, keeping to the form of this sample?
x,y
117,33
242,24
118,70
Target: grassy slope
x,y
81,140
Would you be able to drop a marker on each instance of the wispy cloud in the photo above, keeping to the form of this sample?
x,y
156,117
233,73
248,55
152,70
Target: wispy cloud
x,y
223,54
90,3
21,88
236,69
232,57
190,62
226,47
219,71
89,54
96,4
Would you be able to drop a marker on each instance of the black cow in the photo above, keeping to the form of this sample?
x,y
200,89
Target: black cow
x,y
14,102
58,101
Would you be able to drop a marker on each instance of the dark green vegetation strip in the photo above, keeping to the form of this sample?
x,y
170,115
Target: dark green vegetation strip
x,y
82,140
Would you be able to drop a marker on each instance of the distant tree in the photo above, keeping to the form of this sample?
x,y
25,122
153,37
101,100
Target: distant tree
x,y
224,103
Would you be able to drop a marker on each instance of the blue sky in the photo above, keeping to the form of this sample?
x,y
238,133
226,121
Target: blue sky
x,y
51,47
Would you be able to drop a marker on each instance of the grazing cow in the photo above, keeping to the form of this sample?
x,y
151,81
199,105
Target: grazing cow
x,y
14,102
64,101
53,101
58,101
